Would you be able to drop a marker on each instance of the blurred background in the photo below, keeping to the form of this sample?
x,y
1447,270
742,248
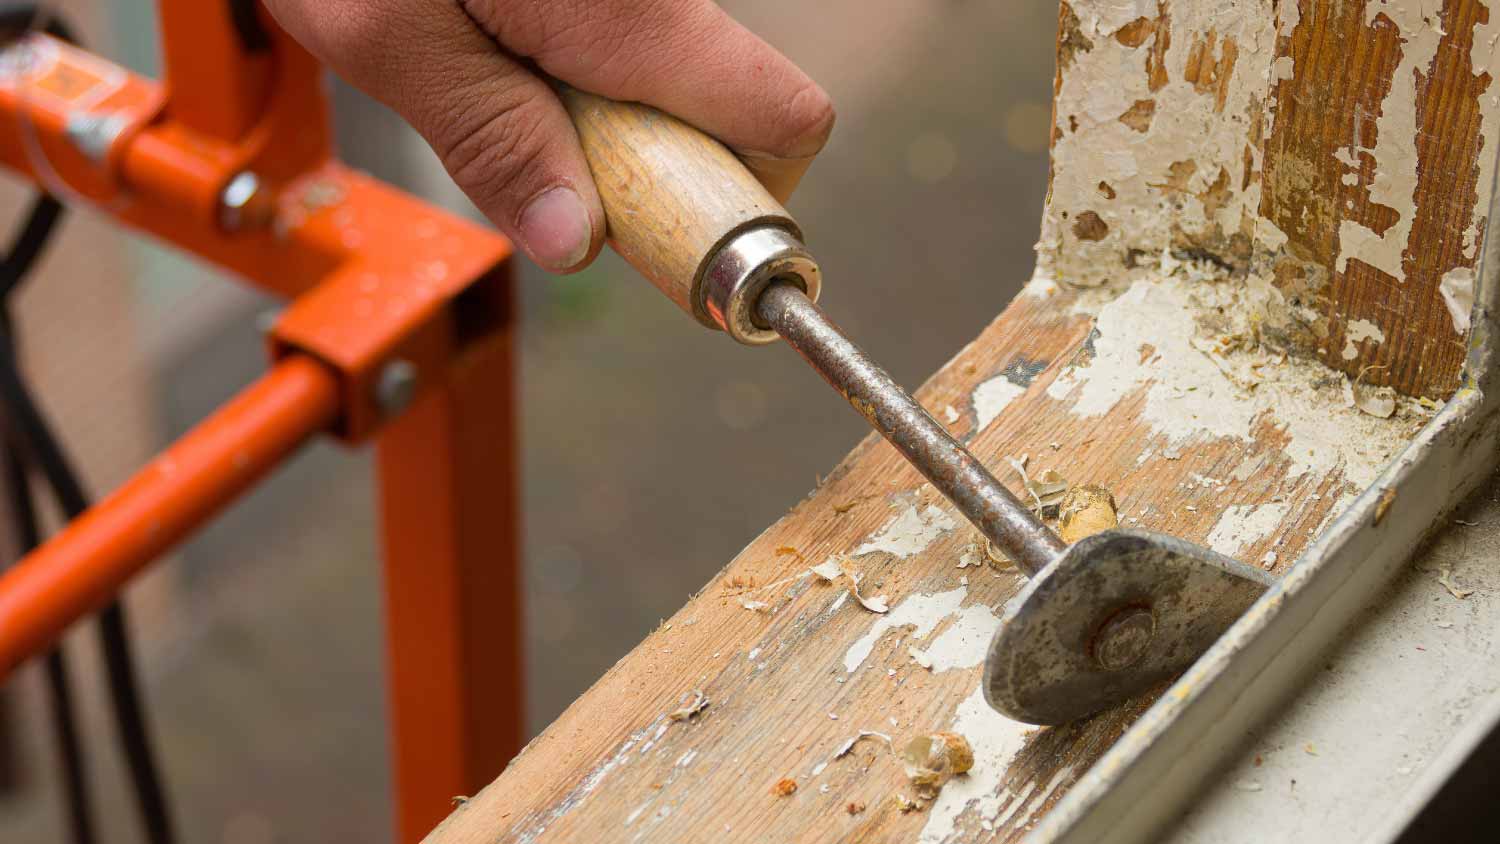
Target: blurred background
x,y
653,450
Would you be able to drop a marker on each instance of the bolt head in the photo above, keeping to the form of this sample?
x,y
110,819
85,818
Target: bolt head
x,y
1123,640
235,201
396,386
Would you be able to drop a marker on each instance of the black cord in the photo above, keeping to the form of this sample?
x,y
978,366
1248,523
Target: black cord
x,y
80,813
30,435
43,447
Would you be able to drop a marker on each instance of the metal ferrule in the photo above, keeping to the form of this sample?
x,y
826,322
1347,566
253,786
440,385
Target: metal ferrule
x,y
740,271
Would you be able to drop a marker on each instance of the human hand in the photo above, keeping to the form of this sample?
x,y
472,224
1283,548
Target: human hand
x,y
464,73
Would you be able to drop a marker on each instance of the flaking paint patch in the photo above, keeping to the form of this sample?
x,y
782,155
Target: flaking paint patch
x,y
1358,331
1457,288
1395,183
961,645
1243,525
992,397
995,740
908,532
1189,395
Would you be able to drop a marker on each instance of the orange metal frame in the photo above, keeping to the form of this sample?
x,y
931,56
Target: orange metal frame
x,y
398,330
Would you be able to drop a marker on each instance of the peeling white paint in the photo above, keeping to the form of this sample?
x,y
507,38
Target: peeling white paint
x,y
1395,151
962,643
991,397
1457,288
908,532
1190,397
1243,525
1358,331
995,741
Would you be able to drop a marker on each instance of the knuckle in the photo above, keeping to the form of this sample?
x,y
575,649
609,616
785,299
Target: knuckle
x,y
491,155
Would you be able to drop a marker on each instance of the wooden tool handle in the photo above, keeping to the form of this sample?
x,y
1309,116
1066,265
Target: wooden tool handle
x,y
672,195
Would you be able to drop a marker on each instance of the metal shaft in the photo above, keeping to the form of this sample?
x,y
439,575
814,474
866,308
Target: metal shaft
x,y
908,426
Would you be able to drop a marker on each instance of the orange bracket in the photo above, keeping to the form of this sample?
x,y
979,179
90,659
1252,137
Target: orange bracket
x,y
399,329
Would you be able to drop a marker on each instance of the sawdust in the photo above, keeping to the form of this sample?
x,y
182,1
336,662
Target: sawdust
x,y
905,805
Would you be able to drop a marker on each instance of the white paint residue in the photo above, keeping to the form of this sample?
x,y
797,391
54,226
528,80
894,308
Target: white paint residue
x,y
1356,332
995,740
686,759
1349,179
1189,394
991,397
964,643
1346,156
1282,68
1363,329
908,532
589,783
1155,313
1457,288
1244,525
923,613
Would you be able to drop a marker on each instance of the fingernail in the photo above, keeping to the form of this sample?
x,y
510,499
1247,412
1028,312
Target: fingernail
x,y
555,229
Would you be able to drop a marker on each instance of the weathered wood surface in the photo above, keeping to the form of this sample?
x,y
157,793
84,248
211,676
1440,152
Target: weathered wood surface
x,y
1122,400
1251,203
1339,152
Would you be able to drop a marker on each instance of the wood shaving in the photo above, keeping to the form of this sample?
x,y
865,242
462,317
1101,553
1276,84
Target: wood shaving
x,y
905,805
698,704
785,550
785,787
848,746
1084,511
1046,490
1445,577
835,571
931,760
1379,402
997,559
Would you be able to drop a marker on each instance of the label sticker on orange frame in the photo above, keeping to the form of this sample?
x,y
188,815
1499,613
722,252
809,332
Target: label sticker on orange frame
x,y
57,77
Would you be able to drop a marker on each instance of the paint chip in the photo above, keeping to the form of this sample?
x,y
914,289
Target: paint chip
x,y
698,704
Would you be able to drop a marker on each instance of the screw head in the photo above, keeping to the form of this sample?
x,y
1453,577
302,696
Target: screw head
x,y
396,386
1122,641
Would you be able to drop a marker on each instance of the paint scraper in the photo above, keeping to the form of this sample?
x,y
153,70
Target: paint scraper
x,y
1100,621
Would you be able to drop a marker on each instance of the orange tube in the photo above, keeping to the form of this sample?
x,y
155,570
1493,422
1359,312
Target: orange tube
x,y
80,569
